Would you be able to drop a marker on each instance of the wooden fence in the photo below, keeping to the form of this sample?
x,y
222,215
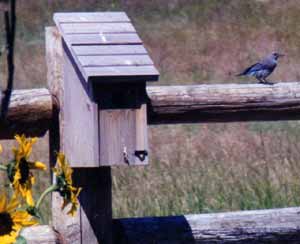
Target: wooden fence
x,y
36,111
31,110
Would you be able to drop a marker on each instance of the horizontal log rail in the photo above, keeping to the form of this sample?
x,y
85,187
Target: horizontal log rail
x,y
257,226
224,103
30,111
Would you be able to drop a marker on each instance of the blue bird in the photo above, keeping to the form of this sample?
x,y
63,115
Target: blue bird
x,y
263,69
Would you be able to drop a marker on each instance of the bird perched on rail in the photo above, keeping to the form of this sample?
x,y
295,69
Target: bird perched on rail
x,y
263,69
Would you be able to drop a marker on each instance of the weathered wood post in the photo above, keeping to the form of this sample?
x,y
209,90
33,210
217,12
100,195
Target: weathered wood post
x,y
4,5
103,70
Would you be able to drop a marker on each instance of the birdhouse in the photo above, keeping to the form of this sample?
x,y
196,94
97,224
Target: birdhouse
x,y
105,71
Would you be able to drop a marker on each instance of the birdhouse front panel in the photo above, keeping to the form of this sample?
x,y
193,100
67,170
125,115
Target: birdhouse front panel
x,y
105,72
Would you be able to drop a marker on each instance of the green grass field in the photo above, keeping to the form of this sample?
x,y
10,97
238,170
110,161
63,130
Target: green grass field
x,y
193,168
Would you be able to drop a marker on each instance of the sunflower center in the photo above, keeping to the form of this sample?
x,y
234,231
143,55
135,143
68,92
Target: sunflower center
x,y
6,224
24,169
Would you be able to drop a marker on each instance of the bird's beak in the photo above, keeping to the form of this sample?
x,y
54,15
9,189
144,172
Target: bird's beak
x,y
281,55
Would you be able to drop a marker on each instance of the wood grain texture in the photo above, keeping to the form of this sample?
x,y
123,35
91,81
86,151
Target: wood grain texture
x,y
81,132
184,104
103,39
54,59
223,103
122,132
97,50
121,74
29,113
101,17
141,134
68,227
121,65
117,131
122,123
92,223
114,60
96,28
4,6
258,226
41,234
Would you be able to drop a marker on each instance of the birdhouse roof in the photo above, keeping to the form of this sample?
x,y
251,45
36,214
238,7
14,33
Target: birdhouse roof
x,y
105,47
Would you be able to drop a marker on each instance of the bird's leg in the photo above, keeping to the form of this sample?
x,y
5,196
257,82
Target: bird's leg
x,y
261,81
268,82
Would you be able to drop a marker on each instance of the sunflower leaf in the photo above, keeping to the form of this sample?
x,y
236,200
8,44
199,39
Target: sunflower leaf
x,y
11,170
33,211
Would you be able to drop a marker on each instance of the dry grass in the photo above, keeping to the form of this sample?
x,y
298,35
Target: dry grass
x,y
211,168
193,168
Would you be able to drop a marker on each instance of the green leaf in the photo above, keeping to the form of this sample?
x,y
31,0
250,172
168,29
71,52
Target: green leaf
x,y
21,240
11,170
33,211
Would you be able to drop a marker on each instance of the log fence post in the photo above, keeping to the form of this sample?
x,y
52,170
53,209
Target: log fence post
x,y
92,224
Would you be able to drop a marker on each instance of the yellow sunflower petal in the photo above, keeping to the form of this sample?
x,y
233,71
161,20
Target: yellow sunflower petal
x,y
78,191
55,171
37,165
64,171
34,140
60,159
30,181
25,147
17,176
19,139
29,198
68,178
64,168
23,218
19,219
9,239
13,204
27,150
73,209
64,204
2,202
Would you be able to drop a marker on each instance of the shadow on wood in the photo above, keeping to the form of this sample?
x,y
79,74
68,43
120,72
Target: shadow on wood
x,y
156,230
256,226
96,203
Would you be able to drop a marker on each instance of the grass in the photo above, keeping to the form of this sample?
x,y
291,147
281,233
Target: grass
x,y
193,168
216,168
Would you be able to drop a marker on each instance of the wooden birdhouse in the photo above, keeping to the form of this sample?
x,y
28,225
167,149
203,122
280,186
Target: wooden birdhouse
x,y
105,71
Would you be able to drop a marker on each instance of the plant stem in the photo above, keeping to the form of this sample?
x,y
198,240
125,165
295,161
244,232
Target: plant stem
x,y
3,167
44,194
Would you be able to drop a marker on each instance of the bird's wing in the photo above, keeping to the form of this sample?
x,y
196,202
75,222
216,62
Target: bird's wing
x,y
253,68
268,63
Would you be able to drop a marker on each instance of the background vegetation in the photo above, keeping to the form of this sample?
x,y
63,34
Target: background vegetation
x,y
193,168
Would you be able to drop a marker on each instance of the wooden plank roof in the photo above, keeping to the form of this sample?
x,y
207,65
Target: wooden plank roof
x,y
106,47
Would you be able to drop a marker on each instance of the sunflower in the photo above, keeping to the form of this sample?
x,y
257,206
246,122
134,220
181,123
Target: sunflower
x,y
12,220
64,183
18,169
